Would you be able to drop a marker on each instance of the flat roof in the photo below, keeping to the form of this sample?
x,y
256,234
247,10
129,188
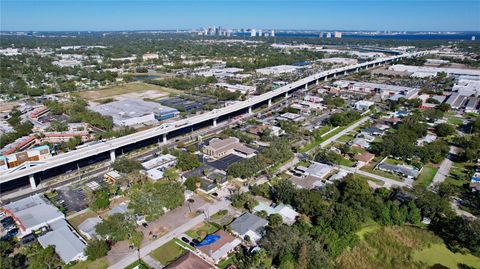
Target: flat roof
x,y
131,108
67,245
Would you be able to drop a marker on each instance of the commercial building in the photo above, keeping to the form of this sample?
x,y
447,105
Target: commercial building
x,y
339,61
150,56
291,117
21,143
32,213
218,72
386,91
59,137
467,87
243,89
14,160
133,112
277,70
219,148
338,34
428,71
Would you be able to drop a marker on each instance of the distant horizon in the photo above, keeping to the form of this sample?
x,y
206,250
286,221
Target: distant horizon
x,y
237,28
123,15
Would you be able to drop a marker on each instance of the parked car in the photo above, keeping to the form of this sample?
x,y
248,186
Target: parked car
x,y
184,239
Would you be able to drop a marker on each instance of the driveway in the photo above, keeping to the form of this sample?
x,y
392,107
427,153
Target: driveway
x,y
145,250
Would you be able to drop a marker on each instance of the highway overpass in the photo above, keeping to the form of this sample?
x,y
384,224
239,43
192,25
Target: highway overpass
x,y
163,132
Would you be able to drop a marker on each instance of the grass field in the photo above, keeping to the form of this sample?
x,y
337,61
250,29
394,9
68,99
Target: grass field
x,y
201,231
426,176
317,142
440,254
368,228
387,248
140,264
379,182
168,252
347,162
134,87
97,264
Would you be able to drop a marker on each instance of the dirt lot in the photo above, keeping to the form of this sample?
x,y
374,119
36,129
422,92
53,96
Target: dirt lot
x,y
128,91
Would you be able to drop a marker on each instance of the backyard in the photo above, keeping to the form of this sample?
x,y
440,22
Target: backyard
x,y
168,253
426,176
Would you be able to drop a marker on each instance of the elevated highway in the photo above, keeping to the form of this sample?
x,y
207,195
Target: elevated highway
x,y
164,131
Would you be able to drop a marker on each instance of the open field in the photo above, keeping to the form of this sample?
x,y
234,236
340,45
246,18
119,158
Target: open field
x,y
426,176
387,247
440,254
168,252
130,90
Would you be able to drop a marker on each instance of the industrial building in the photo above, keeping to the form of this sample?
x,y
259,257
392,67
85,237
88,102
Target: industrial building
x,y
277,70
428,71
243,89
133,112
392,92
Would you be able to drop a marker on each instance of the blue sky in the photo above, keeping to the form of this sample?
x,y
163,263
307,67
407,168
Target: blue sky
x,y
407,15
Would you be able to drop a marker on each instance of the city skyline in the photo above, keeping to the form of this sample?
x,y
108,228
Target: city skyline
x,y
147,15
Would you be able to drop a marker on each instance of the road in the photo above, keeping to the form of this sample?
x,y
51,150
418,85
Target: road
x,y
388,182
444,169
344,132
144,251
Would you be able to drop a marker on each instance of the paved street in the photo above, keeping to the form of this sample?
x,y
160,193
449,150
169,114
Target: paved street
x,y
388,182
144,251
344,132
444,169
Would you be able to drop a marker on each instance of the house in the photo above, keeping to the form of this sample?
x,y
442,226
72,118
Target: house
x,y
363,105
373,131
364,158
249,224
318,170
429,138
87,227
361,143
338,176
403,170
32,213
217,246
222,147
189,261
288,214
291,117
66,242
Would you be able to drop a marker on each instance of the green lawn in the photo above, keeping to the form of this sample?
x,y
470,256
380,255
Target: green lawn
x,y
426,176
77,220
455,121
367,228
101,263
141,265
317,142
379,182
200,232
439,253
347,162
168,253
225,262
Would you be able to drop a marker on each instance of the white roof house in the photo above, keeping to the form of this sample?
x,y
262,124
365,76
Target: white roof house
x,y
87,227
288,214
318,170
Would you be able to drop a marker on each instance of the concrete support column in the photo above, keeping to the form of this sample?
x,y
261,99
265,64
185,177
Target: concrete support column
x,y
250,110
214,122
33,184
164,138
306,86
286,94
269,102
325,78
316,82
112,155
335,75
356,70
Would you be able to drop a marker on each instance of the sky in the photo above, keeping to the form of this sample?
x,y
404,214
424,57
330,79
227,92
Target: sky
x,y
106,15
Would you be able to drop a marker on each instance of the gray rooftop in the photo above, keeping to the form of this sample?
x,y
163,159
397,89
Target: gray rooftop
x,y
399,169
66,244
88,226
248,222
33,211
130,108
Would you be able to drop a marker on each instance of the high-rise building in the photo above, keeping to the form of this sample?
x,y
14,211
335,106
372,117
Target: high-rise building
x,y
329,35
320,35
473,38
338,34
260,32
272,33
253,32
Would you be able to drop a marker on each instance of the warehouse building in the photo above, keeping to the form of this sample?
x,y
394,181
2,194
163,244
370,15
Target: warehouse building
x,y
134,112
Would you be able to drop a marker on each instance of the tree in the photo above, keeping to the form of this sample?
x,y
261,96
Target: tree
x,y
101,199
96,249
444,129
275,220
73,142
302,259
287,262
124,165
171,174
152,198
44,258
191,183
243,200
414,216
117,227
458,233
186,161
